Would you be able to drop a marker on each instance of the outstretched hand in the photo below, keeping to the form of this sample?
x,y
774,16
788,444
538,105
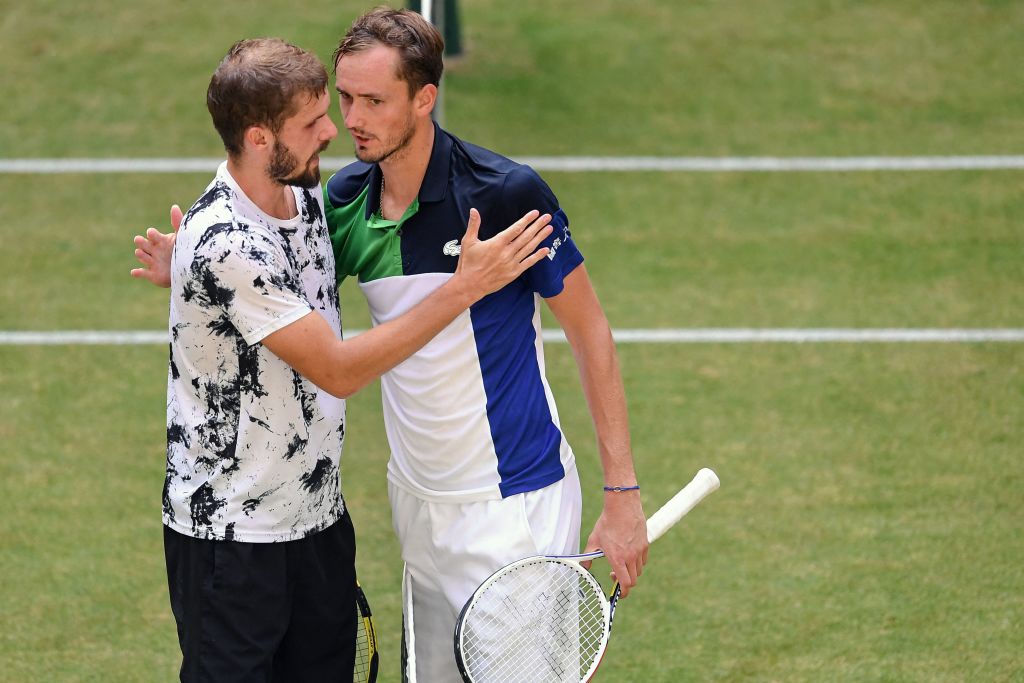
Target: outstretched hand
x,y
154,252
488,265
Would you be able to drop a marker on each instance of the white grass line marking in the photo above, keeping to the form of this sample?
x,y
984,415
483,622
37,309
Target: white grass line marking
x,y
83,337
568,164
623,336
805,335
774,164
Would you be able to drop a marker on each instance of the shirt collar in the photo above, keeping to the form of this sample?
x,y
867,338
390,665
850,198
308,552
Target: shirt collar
x,y
435,182
373,199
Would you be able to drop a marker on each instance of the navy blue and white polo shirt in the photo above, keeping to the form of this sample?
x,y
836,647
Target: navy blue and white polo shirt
x,y
470,416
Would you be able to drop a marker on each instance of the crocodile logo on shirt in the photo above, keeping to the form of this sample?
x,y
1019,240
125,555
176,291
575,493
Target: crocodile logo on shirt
x,y
452,248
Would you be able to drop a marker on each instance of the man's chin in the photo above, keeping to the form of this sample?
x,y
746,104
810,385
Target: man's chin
x,y
366,156
306,181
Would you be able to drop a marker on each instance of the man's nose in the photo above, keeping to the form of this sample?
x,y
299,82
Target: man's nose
x,y
330,131
353,117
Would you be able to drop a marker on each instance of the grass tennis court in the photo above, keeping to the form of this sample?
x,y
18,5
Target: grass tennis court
x,y
869,522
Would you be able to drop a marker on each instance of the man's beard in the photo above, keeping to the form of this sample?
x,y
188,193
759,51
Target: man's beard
x,y
283,165
394,148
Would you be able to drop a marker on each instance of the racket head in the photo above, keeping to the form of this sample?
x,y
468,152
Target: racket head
x,y
541,619
367,657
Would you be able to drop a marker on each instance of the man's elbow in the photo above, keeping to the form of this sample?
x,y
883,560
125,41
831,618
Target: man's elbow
x,y
340,388
338,392
344,386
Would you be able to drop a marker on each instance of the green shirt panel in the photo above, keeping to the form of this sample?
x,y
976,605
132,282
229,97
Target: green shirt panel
x,y
367,248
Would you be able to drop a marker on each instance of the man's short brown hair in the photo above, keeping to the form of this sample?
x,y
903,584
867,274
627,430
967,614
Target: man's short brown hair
x,y
258,84
420,45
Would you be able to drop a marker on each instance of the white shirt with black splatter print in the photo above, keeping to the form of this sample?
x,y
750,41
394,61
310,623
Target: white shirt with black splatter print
x,y
252,447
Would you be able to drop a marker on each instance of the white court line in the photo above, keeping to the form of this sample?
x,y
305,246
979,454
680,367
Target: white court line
x,y
623,336
568,164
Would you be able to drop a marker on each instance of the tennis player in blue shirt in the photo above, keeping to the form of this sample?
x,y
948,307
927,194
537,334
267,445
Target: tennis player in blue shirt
x,y
480,473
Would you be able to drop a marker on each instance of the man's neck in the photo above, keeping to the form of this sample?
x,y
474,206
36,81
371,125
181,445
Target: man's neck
x,y
405,170
269,196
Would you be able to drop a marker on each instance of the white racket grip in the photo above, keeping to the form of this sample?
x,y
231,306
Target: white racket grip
x,y
705,483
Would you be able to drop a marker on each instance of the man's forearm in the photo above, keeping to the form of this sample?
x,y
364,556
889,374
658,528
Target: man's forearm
x,y
590,337
366,357
604,391
621,529
343,367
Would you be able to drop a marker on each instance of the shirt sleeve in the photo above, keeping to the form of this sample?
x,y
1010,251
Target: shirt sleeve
x,y
525,190
248,276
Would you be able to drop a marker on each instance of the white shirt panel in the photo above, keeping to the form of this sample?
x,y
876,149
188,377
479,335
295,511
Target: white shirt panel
x,y
435,405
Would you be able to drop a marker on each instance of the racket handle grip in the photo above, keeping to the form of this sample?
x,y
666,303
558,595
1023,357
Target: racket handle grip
x,y
705,483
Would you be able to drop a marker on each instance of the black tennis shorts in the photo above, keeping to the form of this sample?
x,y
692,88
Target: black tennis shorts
x,y
280,612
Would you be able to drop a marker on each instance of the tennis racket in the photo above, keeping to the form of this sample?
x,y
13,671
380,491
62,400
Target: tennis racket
x,y
367,660
546,619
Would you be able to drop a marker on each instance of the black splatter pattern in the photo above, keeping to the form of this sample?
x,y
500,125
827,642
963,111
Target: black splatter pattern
x,y
251,504
172,368
217,192
297,445
218,433
320,475
261,423
177,434
249,380
204,505
172,475
306,399
222,378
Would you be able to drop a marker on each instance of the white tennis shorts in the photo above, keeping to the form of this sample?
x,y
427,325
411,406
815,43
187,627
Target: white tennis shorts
x,y
450,548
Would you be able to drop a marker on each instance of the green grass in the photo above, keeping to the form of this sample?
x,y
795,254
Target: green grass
x,y
737,77
868,526
665,250
702,77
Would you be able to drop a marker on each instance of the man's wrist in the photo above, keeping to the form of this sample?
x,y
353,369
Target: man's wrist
x,y
619,489
460,290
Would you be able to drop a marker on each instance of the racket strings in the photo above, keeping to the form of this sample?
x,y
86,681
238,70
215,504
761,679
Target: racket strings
x,y
365,670
364,649
543,622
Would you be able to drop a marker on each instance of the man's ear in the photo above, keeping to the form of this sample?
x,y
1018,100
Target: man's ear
x,y
425,99
258,138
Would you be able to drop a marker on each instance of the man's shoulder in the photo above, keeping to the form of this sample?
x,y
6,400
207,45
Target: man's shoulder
x,y
514,177
345,186
209,219
214,228
482,157
214,206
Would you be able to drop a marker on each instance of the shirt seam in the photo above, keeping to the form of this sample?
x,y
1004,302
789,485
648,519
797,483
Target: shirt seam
x,y
259,334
